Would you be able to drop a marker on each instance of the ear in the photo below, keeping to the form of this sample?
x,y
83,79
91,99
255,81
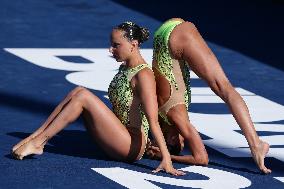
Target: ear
x,y
134,43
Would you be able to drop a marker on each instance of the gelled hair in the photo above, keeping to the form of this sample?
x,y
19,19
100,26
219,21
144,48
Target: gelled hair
x,y
134,32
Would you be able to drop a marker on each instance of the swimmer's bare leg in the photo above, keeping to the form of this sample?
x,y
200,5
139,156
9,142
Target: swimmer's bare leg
x,y
205,64
103,125
52,116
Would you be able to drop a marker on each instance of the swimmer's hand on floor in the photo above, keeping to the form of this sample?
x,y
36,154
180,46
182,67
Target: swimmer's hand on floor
x,y
166,165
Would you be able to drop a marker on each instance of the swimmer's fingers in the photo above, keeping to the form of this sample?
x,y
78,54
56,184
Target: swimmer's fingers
x,y
157,170
172,171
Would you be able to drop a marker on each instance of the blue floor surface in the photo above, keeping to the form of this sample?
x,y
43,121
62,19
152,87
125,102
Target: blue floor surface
x,y
31,87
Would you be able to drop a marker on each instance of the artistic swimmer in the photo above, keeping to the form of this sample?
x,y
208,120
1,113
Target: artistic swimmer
x,y
123,132
179,47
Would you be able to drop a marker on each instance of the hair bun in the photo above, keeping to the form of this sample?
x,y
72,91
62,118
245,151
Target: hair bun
x,y
134,32
144,34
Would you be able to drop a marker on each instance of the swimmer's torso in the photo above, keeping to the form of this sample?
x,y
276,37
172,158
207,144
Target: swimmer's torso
x,y
176,72
125,104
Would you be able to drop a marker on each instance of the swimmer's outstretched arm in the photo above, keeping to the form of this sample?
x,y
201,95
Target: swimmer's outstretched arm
x,y
188,159
147,94
154,153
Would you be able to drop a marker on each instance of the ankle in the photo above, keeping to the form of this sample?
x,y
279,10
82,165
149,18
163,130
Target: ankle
x,y
255,143
40,142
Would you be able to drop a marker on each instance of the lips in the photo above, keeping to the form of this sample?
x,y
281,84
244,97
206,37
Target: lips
x,y
114,56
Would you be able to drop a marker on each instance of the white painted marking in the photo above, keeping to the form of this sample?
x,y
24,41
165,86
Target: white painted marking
x,y
280,179
137,180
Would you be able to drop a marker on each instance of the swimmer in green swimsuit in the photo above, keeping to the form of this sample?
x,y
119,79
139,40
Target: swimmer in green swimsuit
x,y
178,46
123,132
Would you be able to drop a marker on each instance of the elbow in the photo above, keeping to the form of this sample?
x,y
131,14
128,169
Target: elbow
x,y
202,160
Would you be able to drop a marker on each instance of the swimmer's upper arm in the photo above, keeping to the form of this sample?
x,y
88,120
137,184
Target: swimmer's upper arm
x,y
146,90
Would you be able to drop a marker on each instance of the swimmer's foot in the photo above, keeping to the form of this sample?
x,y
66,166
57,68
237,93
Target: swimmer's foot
x,y
22,142
258,153
27,149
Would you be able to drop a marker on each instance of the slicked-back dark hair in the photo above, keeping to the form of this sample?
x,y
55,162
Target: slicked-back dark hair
x,y
134,32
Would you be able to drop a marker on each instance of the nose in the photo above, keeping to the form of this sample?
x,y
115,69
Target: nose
x,y
110,49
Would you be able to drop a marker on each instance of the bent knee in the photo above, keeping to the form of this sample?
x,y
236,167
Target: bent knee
x,y
75,91
78,88
82,95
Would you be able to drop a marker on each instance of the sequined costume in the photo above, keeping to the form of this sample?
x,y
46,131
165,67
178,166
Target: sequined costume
x,y
175,71
121,97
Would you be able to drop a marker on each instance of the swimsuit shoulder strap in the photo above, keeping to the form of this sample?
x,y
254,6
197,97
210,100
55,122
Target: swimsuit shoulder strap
x,y
135,70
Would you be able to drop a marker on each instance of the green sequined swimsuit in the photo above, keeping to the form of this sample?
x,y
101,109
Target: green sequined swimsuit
x,y
168,67
121,95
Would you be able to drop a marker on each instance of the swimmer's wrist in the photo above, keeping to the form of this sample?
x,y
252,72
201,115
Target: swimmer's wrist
x,y
166,156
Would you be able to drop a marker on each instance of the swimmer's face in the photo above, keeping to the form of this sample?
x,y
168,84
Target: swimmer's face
x,y
121,47
175,141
